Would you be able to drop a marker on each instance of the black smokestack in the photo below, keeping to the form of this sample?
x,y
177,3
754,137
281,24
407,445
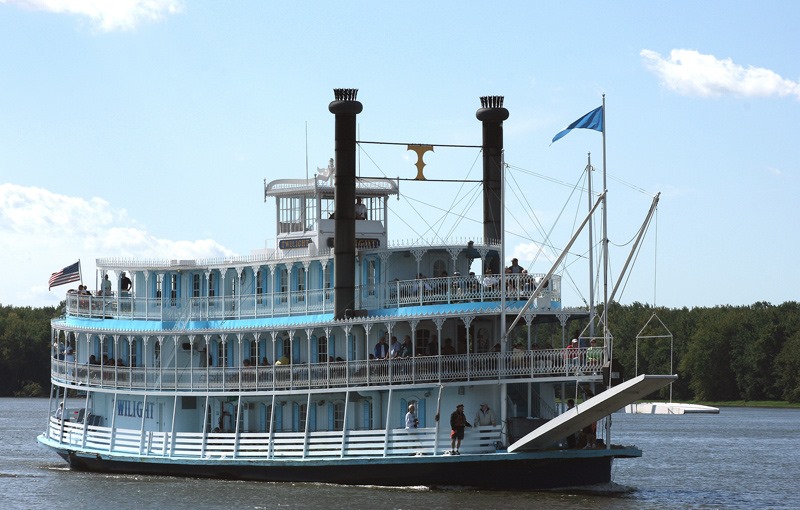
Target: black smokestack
x,y
492,114
345,108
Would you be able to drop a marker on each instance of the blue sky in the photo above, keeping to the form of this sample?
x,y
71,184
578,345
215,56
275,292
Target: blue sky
x,y
146,128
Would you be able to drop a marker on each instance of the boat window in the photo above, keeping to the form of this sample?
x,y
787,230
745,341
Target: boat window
x,y
439,268
327,207
195,285
301,283
260,286
173,289
222,354
322,349
374,207
371,276
254,353
283,284
338,416
311,213
287,347
423,337
290,212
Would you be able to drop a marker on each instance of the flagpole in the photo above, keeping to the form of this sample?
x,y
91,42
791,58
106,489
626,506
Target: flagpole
x,y
606,336
80,272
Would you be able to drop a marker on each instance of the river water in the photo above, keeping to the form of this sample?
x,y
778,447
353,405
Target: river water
x,y
740,458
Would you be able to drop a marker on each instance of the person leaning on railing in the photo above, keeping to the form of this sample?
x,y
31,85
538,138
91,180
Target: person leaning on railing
x,y
594,355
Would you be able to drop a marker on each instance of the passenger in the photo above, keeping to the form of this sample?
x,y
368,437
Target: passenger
x,y
594,356
571,442
447,348
489,280
93,360
105,289
283,360
394,348
264,362
60,411
411,419
432,349
457,423
588,436
406,350
485,416
381,349
515,267
126,284
361,210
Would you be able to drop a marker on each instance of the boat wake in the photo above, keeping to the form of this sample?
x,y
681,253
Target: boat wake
x,y
599,489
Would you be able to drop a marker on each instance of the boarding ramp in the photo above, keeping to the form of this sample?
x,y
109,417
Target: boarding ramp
x,y
592,410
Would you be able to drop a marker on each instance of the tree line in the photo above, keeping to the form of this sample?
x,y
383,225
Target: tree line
x,y
721,353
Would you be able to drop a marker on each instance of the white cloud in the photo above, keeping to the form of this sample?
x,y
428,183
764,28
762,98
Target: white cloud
x,y
108,15
42,231
691,73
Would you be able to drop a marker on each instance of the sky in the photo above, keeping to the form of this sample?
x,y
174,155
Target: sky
x,y
146,128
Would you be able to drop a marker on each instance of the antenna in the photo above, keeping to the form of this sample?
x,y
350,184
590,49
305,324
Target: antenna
x,y
306,150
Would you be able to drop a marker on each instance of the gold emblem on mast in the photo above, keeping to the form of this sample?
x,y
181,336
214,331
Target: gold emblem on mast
x,y
420,164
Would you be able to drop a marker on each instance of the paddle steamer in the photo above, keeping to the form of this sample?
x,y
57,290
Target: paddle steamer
x,y
264,367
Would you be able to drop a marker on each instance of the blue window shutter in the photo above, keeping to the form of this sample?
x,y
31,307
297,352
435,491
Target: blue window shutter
x,y
330,416
278,418
96,348
403,411
314,349
262,417
312,417
262,350
278,348
332,346
229,349
137,345
351,346
367,412
296,417
421,412
296,350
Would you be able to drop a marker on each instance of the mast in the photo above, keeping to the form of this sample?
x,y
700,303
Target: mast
x,y
606,336
591,250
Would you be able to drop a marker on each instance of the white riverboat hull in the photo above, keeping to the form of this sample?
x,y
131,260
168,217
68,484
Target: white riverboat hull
x,y
498,471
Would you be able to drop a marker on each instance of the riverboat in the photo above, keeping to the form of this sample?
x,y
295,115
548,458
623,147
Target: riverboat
x,y
273,366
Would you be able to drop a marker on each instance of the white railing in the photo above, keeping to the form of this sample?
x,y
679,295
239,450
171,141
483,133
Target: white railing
x,y
396,294
263,445
338,374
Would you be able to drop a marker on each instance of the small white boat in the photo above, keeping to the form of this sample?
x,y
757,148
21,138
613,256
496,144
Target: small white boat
x,y
669,408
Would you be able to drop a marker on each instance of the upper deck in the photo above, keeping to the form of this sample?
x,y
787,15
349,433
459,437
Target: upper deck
x,y
395,294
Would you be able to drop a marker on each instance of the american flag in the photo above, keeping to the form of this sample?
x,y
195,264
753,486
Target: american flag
x,y
68,274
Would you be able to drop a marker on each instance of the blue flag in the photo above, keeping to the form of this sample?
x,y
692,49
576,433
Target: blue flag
x,y
592,120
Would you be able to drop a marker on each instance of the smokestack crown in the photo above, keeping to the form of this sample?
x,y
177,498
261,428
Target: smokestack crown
x,y
492,109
